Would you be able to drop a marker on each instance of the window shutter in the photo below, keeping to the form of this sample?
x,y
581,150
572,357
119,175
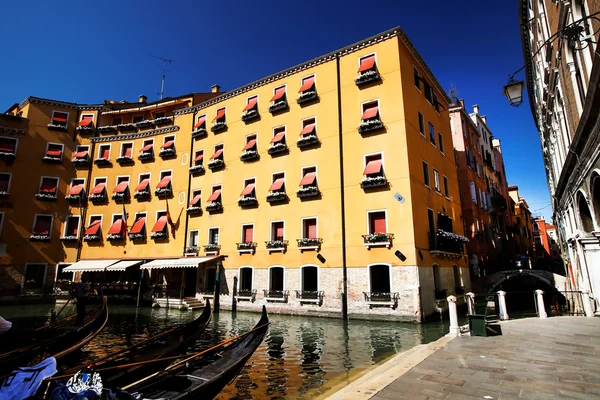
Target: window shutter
x,y
378,222
279,230
311,229
473,192
248,234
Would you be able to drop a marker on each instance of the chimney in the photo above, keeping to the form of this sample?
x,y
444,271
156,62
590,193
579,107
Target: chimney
x,y
462,103
484,118
476,109
142,98
215,88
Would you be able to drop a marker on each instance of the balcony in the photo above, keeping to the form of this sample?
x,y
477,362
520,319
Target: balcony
x,y
35,237
81,162
107,129
137,236
214,206
446,245
58,127
308,191
68,238
277,148
127,127
218,127
216,164
141,195
45,196
162,121
310,296
193,210
162,235
307,140
246,247
102,162
198,133
275,197
249,155
75,198
124,160
146,156
92,238
370,125
212,249
121,196
278,106
163,192
305,244
190,251
167,153
276,246
276,295
382,299
146,124
248,201
307,97
378,240
246,295
197,169
250,115
366,77
373,182
116,237
98,197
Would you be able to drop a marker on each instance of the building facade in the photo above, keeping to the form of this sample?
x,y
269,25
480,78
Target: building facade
x,y
560,45
521,228
290,182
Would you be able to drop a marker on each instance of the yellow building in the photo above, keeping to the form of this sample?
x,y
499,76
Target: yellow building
x,y
332,180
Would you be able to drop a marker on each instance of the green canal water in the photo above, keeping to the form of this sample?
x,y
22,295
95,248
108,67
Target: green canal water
x,y
300,358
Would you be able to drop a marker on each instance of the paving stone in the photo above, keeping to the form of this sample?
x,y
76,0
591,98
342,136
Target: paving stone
x,y
443,380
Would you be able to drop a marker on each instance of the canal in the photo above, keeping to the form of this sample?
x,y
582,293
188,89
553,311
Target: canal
x,y
300,358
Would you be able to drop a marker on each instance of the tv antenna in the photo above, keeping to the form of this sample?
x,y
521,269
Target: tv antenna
x,y
164,69
454,94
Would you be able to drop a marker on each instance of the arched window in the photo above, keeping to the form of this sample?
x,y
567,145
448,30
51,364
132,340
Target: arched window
x,y
245,284
380,279
310,278
587,223
596,195
535,227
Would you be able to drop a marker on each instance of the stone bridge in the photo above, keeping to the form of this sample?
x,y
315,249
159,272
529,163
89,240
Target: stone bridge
x,y
491,282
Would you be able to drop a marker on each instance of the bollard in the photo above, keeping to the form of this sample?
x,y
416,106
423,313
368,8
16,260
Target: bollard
x,y
503,313
454,328
587,304
540,302
470,297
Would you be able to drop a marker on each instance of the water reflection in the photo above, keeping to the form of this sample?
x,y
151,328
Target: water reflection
x,y
300,358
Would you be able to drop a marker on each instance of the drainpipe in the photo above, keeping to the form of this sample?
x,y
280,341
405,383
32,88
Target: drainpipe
x,y
189,188
342,194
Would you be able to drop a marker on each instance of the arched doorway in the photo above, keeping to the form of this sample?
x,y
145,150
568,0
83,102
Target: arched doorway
x,y
596,195
587,222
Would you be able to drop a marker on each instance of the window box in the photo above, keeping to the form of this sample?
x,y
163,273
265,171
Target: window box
x,y
250,115
452,236
194,210
216,164
378,239
276,245
144,124
218,127
447,245
57,127
306,97
107,129
196,169
115,237
278,106
39,238
158,235
92,238
80,162
85,129
199,133
308,191
102,161
163,121
373,181
137,236
7,155
370,125
366,77
45,197
4,194
247,247
249,155
127,127
51,159
309,244
142,194
247,201
278,147
212,248
97,198
214,206
68,238
163,192
149,155
276,295
121,196
276,196
166,153
75,198
382,299
247,295
310,296
307,140
191,251
124,160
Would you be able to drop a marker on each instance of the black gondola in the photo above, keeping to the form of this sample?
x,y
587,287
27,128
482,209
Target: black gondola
x,y
203,377
65,340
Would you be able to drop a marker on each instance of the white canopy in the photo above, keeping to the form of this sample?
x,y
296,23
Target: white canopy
x,y
123,265
89,265
186,262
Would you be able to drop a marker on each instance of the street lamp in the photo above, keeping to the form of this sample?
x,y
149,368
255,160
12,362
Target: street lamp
x,y
513,91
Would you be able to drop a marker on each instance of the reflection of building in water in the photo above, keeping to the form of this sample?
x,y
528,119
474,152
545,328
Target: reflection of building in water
x,y
311,340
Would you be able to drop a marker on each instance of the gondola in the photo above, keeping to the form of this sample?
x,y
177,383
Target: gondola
x,y
204,375
65,340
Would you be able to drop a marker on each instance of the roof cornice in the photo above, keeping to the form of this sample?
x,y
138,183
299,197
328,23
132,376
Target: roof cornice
x,y
137,135
49,102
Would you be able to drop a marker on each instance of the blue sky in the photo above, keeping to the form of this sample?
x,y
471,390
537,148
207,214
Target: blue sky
x,y
91,51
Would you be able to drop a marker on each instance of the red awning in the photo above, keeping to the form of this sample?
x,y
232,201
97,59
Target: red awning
x,y
201,121
142,185
215,195
117,227
279,93
94,228
160,224
308,179
164,182
80,154
59,117
251,104
217,154
367,63
147,148
53,153
168,145
105,153
7,145
248,189
128,151
278,138
86,121
196,200
199,157
250,144
370,112
75,190
279,231
311,229
99,188
138,227
308,129
248,234
48,186
121,187
377,223
373,167
307,83
277,185
42,226
220,114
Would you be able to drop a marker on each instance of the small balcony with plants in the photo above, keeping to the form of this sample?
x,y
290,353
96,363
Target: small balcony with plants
x,y
308,135
249,200
250,152
167,150
46,194
276,148
276,295
121,194
98,195
212,249
85,126
246,295
102,162
276,246
219,124
160,235
39,237
372,181
307,244
367,72
214,206
125,158
107,129
127,127
197,168
116,237
447,245
382,299
246,247
310,296
92,237
250,112
216,164
69,238
194,206
142,193
308,91
277,196
81,159
145,124
147,153
163,192
191,251
378,239
163,121
199,130
76,195
279,101
371,121
137,236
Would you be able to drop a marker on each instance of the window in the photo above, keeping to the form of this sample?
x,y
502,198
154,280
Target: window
x,y
473,192
220,120
147,150
441,142
121,190
160,231
426,174
104,152
160,114
245,281
421,123
5,179
277,230
77,189
279,95
127,150
307,90
165,185
371,119
34,276
215,196
81,153
143,183
276,279
196,200
367,69
308,130
42,227
117,121
538,240
309,177
310,278
380,279
436,180
59,120
417,78
309,228
168,146
278,142
117,228
137,118
138,230
446,187
200,126
248,233
431,134
87,121
193,239
251,104
251,141
99,187
278,182
374,165
8,147
377,222
48,188
213,236
217,159
535,227
427,91
249,188
54,152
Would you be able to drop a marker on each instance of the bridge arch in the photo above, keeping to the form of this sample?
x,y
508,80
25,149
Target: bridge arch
x,y
492,282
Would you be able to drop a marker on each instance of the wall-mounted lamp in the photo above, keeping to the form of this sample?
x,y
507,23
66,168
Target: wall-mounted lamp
x,y
401,256
321,258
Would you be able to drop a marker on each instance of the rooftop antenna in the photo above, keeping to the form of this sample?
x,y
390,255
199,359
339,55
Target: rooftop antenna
x,y
164,69
454,95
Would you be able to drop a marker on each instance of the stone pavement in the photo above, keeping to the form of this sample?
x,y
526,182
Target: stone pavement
x,y
554,358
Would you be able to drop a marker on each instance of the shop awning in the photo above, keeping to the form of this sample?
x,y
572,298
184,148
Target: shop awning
x,y
89,265
186,262
123,265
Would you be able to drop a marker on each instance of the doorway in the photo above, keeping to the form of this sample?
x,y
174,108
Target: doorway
x,y
191,274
